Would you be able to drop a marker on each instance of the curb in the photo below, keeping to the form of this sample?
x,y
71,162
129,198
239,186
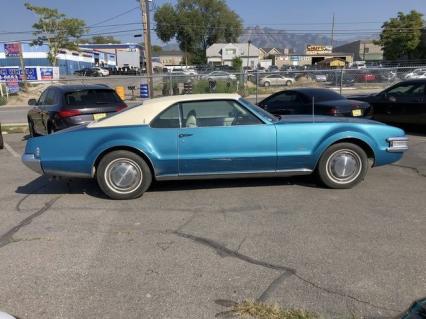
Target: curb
x,y
10,128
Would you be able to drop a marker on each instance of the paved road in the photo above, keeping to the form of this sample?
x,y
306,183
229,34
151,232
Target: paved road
x,y
67,252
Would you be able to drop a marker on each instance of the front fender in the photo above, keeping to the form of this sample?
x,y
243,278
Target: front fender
x,y
339,135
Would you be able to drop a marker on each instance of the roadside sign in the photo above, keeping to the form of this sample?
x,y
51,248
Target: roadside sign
x,y
12,49
144,91
46,73
12,86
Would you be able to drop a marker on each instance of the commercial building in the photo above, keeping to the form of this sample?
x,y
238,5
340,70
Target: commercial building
x,y
67,61
362,50
225,53
315,55
170,58
126,54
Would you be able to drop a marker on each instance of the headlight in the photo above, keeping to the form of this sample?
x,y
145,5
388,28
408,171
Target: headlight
x,y
397,144
37,152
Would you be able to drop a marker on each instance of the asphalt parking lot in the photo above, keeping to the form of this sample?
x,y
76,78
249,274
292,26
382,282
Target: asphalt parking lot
x,y
68,252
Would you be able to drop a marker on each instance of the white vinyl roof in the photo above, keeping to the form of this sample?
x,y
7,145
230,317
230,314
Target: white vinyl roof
x,y
145,113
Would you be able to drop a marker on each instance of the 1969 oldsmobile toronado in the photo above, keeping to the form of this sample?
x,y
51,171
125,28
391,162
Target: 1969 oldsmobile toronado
x,y
212,136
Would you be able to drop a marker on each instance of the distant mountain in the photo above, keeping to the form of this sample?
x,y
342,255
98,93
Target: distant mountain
x,y
273,38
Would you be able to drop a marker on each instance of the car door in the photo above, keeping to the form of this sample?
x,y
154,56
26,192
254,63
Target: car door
x,y
223,137
415,106
391,105
45,108
285,103
36,113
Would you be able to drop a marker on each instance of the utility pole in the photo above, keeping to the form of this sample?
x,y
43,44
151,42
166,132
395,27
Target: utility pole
x,y
332,33
23,70
147,43
248,54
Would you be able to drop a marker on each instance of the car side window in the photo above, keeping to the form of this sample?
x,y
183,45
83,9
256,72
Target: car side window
x,y
216,113
42,98
402,89
50,98
168,118
283,101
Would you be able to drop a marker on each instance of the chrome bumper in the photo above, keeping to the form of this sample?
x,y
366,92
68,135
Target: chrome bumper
x,y
397,144
32,163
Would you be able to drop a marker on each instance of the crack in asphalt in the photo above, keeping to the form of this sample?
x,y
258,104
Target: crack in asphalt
x,y
415,169
223,251
7,237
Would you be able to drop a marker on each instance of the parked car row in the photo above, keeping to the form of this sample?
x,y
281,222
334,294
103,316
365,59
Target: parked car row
x,y
60,107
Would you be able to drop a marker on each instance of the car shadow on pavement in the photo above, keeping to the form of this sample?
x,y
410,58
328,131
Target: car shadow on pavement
x,y
44,185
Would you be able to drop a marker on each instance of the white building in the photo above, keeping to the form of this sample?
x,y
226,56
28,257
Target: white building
x,y
224,53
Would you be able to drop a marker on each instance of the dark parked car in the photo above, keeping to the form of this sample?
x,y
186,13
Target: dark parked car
x,y
86,72
325,102
402,103
60,107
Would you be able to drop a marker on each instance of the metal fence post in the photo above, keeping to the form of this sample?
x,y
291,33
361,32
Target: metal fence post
x,y
257,83
171,84
341,80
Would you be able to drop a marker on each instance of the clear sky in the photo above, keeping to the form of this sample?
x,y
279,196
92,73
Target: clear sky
x,y
308,15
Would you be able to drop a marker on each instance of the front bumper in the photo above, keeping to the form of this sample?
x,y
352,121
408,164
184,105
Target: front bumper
x,y
32,163
397,144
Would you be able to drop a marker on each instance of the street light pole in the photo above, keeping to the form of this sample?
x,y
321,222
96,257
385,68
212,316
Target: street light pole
x,y
147,43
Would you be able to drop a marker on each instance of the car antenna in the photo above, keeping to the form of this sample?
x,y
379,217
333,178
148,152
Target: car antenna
x,y
313,109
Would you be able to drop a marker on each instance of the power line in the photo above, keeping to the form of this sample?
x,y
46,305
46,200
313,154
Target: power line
x,y
114,17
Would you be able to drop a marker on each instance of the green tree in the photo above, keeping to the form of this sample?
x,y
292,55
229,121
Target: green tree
x,y
197,24
99,39
237,63
401,37
56,30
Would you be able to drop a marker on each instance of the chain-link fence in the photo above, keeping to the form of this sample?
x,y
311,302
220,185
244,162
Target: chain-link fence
x,y
254,83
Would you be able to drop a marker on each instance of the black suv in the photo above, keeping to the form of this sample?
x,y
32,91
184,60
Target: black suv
x,y
60,107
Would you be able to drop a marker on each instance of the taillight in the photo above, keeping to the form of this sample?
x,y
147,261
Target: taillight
x,y
120,107
332,111
68,113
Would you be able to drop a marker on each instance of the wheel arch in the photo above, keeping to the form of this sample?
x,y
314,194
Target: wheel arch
x,y
364,143
123,148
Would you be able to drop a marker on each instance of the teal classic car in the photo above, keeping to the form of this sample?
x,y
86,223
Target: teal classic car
x,y
212,136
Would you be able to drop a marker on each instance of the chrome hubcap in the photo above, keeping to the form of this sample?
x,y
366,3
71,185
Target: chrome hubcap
x,y
344,166
123,175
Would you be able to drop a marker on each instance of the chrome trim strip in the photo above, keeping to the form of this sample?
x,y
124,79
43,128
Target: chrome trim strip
x,y
67,174
247,174
32,163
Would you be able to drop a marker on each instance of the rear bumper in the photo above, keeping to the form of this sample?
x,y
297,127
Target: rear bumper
x,y
32,163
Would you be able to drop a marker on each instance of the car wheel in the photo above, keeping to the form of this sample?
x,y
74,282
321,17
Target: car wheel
x,y
266,84
343,165
123,175
288,83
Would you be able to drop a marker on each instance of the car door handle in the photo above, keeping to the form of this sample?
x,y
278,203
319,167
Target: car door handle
x,y
184,135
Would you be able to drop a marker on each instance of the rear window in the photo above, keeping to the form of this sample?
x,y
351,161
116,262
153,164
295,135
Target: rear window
x,y
325,95
89,98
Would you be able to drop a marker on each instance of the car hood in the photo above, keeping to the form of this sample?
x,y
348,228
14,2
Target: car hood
x,y
285,119
361,97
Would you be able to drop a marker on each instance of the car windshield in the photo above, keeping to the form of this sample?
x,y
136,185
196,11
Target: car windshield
x,y
264,114
324,95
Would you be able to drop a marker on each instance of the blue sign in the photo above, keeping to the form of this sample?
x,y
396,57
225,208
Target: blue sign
x,y
144,91
46,73
15,74
12,86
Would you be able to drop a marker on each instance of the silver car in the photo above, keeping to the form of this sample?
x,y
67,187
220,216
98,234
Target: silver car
x,y
276,79
219,75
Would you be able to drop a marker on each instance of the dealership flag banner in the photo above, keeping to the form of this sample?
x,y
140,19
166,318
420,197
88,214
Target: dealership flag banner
x,y
12,49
